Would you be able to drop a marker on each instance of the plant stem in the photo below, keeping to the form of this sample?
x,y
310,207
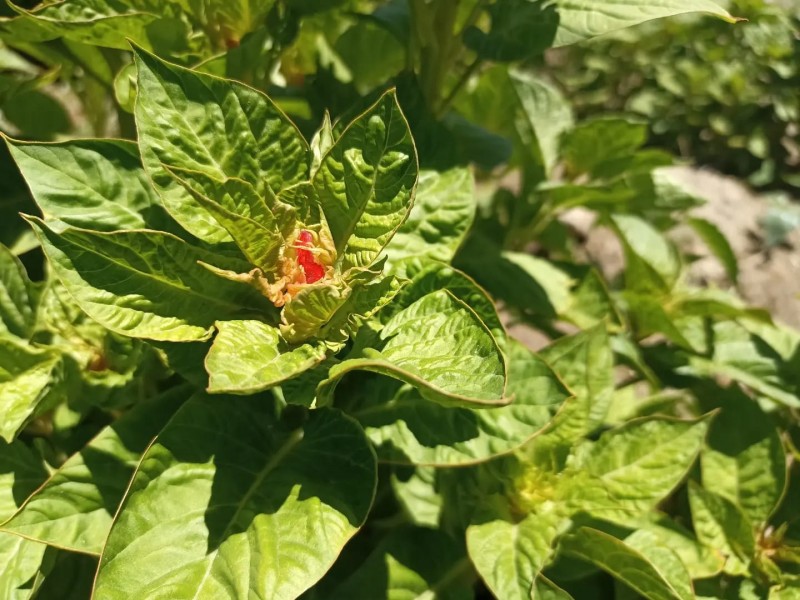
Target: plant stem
x,y
462,81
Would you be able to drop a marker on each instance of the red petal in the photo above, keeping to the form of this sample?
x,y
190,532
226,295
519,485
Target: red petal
x,y
312,269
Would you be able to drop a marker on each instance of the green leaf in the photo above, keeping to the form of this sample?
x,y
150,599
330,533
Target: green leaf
x,y
196,122
416,492
21,472
366,182
250,356
700,561
662,581
142,283
595,143
718,244
745,460
719,524
27,376
439,346
634,466
232,502
582,19
96,184
519,30
20,560
427,276
237,207
442,214
402,427
19,297
509,554
749,358
584,362
75,507
544,117
396,568
651,261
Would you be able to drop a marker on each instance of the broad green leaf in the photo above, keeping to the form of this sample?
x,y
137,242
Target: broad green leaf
x,y
397,568
651,261
700,560
142,283
439,346
72,573
250,356
96,184
718,244
595,143
545,116
27,377
99,23
584,362
519,30
745,460
237,207
442,214
721,525
21,472
510,553
666,561
311,308
582,19
634,466
663,581
416,492
366,182
19,297
402,427
75,507
233,502
426,276
20,560
749,358
196,122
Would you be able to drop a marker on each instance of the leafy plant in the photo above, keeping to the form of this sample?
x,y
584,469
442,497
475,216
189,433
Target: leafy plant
x,y
262,358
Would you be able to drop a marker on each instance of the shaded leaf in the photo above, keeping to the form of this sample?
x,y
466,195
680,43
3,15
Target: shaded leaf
x,y
75,507
254,505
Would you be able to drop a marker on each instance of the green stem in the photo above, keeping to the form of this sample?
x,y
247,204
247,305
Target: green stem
x,y
459,85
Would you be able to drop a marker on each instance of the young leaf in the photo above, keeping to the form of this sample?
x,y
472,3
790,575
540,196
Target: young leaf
x,y
250,356
366,182
142,283
719,524
509,554
585,363
745,460
27,375
439,346
400,426
663,581
96,184
237,207
19,297
442,214
75,507
196,122
651,262
397,568
232,502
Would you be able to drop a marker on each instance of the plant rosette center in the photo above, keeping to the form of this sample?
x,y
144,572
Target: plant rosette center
x,y
307,259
